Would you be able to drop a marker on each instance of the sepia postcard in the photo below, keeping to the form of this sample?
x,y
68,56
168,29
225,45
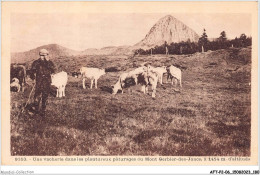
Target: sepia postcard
x,y
129,83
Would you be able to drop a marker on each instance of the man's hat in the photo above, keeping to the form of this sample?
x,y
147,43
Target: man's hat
x,y
43,52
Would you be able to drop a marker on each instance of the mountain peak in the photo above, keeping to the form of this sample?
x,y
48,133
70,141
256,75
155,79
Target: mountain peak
x,y
167,29
168,17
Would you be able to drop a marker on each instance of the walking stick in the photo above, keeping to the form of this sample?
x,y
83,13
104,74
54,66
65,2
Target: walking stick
x,y
27,100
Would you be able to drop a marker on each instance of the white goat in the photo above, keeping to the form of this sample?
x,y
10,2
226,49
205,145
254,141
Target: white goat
x,y
60,80
174,73
92,74
160,71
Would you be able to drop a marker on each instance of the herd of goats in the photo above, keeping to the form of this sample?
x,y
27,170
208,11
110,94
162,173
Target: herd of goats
x,y
144,75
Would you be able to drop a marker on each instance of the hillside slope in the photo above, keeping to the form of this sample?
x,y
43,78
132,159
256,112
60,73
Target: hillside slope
x,y
55,51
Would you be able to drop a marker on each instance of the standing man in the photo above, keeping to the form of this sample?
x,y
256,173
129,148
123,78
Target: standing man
x,y
42,68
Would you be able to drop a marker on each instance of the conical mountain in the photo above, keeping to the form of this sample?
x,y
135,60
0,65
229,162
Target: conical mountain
x,y
167,29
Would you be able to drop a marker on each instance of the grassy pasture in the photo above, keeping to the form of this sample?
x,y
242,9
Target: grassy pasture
x,y
209,116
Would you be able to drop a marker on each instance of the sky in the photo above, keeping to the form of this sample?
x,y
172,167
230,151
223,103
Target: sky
x,y
82,31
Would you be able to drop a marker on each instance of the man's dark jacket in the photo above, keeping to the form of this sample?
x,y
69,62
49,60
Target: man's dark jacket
x,y
43,70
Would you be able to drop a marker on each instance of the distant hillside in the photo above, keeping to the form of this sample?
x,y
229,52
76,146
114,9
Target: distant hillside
x,y
55,51
90,51
111,50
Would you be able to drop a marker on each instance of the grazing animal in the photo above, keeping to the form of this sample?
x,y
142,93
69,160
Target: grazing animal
x,y
75,74
92,74
151,78
60,80
19,72
120,84
15,86
160,71
174,73
134,73
144,78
